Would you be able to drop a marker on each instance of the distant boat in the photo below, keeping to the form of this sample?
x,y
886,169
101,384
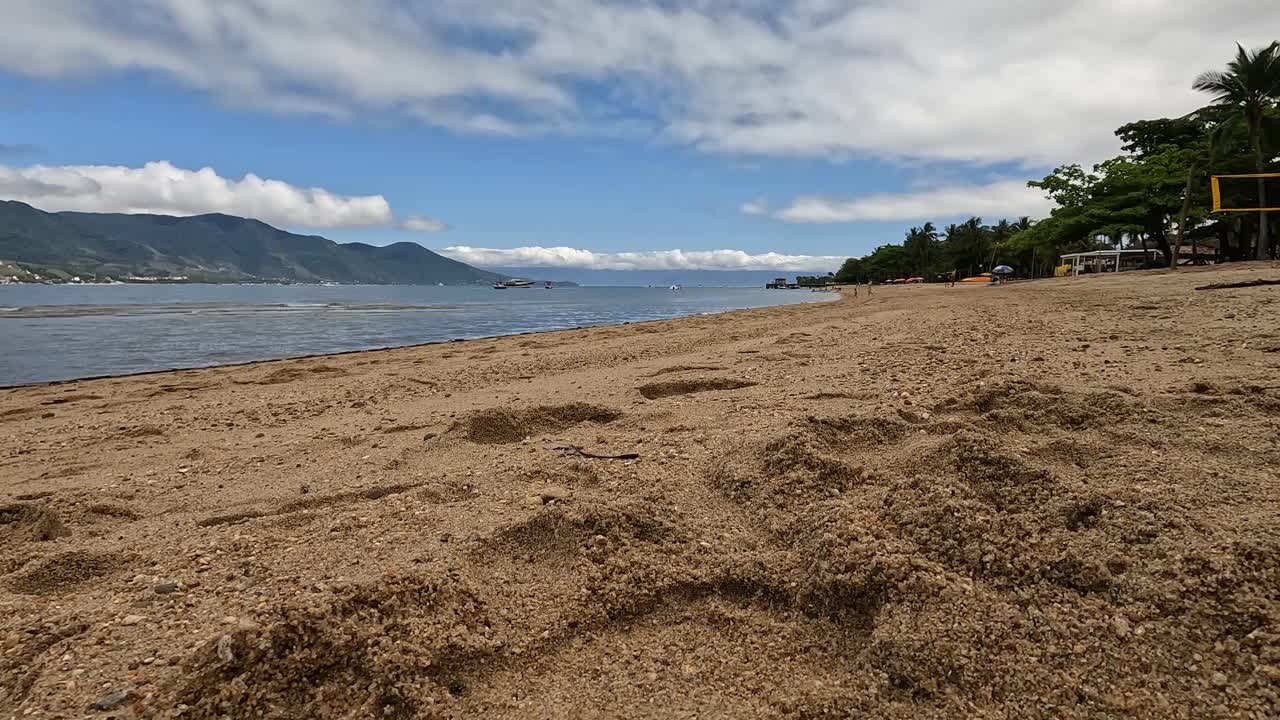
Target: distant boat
x,y
547,285
677,287
518,283
499,285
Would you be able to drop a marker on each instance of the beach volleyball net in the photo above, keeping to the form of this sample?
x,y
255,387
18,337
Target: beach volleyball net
x,y
1240,193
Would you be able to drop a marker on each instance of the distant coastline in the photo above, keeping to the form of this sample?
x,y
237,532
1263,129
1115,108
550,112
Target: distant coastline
x,y
75,247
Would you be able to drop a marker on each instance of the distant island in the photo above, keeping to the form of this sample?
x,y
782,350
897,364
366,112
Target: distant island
x,y
38,246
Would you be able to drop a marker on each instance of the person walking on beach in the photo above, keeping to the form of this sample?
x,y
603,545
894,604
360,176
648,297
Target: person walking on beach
x,y
951,279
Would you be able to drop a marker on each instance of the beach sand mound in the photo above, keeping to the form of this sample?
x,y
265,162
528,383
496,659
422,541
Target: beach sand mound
x,y
818,458
21,522
500,426
985,575
392,649
655,391
27,653
64,572
1039,404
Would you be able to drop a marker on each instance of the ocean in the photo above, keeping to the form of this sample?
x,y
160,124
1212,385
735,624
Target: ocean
x,y
64,332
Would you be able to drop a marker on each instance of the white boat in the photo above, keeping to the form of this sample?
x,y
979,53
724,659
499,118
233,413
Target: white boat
x,y
677,287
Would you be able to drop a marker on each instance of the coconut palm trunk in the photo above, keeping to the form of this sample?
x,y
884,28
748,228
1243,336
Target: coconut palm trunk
x,y
1182,219
1260,162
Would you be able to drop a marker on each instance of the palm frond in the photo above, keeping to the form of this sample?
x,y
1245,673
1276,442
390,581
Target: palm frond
x,y
1242,59
1211,80
1222,86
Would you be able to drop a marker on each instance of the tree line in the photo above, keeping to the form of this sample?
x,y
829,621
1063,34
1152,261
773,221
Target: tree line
x,y
1154,195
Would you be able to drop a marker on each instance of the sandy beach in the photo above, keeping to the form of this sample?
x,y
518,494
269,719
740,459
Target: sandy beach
x,y
1044,500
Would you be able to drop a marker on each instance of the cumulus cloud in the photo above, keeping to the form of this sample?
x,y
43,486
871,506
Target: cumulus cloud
x,y
754,207
163,189
567,257
982,81
1002,199
422,223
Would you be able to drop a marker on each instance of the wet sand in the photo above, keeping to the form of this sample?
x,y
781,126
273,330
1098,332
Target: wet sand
x,y
1053,499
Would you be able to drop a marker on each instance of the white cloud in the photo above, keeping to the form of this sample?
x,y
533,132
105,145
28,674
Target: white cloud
x,y
422,223
978,81
1002,199
754,207
163,189
567,257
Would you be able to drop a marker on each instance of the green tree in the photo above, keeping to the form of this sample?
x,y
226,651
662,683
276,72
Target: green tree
x,y
969,246
1146,137
921,245
887,262
1251,86
815,280
852,271
1011,249
1069,186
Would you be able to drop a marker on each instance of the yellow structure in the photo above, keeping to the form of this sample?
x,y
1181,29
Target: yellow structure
x,y
1216,189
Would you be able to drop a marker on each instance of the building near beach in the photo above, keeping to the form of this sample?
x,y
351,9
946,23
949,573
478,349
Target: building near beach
x,y
1099,261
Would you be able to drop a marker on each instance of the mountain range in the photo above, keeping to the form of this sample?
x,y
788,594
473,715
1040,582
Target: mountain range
x,y
210,248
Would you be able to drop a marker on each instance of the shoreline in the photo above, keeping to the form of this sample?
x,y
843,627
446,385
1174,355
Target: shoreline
x,y
340,353
1031,499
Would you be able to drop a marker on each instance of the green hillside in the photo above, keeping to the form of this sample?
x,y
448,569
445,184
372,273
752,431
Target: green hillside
x,y
216,248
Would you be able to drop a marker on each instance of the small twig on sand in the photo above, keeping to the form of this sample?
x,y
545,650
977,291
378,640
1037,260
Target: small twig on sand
x,y
574,450
1244,284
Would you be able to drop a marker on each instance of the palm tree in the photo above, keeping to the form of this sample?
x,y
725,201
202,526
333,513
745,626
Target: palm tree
x,y
951,244
929,236
912,245
1000,235
1250,85
1022,225
919,244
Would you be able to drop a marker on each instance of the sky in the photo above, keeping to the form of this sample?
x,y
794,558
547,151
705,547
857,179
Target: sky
x,y
601,134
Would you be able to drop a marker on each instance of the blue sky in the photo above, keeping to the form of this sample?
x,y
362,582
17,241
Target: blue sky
x,y
794,133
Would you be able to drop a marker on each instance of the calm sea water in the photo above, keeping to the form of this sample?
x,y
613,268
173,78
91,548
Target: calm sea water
x,y
62,332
